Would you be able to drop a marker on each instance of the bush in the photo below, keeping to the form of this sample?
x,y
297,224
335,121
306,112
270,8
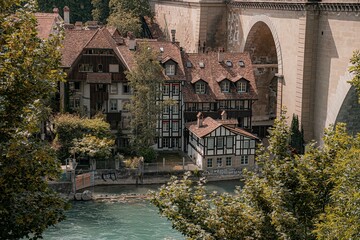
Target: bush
x,y
148,154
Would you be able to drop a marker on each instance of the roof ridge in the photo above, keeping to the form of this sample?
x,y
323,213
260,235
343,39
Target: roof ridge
x,y
92,37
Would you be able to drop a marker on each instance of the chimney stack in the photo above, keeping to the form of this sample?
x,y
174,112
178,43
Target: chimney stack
x,y
56,10
199,119
66,14
173,31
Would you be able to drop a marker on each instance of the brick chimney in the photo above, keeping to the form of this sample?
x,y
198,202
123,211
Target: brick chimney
x,y
199,120
66,14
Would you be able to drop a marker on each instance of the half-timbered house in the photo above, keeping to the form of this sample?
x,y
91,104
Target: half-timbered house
x,y
220,144
219,81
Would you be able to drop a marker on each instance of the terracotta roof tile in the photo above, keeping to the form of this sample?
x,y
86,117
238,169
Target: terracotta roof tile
x,y
46,23
209,125
214,71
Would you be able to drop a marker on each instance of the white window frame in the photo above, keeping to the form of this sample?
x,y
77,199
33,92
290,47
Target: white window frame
x,y
165,142
175,126
228,161
241,86
166,89
166,125
86,67
170,69
244,160
200,88
113,105
166,109
209,163
175,109
176,89
225,86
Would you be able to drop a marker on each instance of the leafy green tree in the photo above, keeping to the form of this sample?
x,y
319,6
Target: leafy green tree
x,y
145,80
355,69
80,10
101,10
81,135
125,15
294,197
297,137
92,146
29,72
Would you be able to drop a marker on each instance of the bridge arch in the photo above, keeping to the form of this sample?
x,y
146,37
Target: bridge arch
x,y
263,25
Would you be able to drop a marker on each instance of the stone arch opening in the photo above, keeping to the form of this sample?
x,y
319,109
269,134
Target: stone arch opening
x,y
261,45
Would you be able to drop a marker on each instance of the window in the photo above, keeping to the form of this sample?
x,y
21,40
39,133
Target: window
x,y
113,88
229,142
241,86
114,68
225,86
175,126
166,89
219,162
165,142
175,142
126,88
200,88
228,63
244,160
170,69
166,126
74,103
201,64
209,162
100,68
188,64
166,109
176,89
113,105
211,143
228,161
219,142
241,63
175,109
84,67
74,86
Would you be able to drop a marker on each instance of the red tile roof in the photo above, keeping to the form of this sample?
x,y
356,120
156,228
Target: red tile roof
x,y
46,23
214,72
209,125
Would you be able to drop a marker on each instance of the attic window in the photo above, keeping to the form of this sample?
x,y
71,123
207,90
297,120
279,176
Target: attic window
x,y
229,63
241,63
161,49
188,64
201,64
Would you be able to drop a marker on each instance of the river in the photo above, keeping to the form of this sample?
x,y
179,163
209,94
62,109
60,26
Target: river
x,y
134,220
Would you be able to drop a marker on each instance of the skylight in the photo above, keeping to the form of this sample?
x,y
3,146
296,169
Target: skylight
x,y
201,64
161,49
228,63
241,63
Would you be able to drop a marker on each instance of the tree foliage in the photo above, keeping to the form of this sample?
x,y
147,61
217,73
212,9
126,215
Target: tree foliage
x,y
355,69
294,197
80,10
145,80
29,72
297,136
100,11
81,135
125,15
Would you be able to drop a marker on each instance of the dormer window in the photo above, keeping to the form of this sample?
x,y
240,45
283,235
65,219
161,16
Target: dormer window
x,y
241,63
229,63
225,86
241,86
200,88
170,69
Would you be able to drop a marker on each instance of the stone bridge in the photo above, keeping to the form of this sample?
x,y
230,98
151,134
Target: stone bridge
x,y
308,43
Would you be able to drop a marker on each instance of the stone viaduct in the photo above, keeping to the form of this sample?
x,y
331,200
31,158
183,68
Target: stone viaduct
x,y
308,43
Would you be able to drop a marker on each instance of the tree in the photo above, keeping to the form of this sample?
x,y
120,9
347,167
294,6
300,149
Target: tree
x,y
29,72
294,197
297,137
89,137
125,15
355,69
146,80
100,11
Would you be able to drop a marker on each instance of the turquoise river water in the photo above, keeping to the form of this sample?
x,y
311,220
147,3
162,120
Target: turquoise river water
x,y
134,220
